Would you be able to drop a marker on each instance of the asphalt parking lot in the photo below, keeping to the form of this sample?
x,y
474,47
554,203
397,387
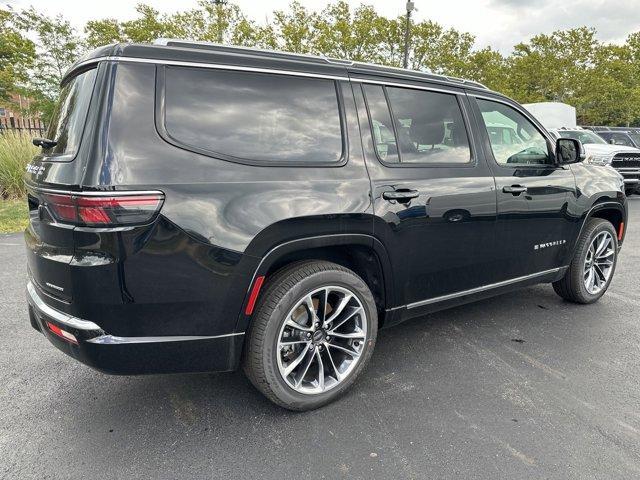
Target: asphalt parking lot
x,y
520,386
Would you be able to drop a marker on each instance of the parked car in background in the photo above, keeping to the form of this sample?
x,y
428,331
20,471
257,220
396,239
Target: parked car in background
x,y
203,208
623,138
625,159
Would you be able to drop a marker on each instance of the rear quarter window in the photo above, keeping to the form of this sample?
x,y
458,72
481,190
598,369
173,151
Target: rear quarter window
x,y
70,115
252,117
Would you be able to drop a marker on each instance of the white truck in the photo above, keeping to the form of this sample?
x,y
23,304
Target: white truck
x,y
560,120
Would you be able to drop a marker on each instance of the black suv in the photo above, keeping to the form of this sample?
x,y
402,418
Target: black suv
x,y
199,207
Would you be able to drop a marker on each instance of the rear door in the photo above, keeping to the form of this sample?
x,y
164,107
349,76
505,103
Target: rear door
x,y
536,224
434,196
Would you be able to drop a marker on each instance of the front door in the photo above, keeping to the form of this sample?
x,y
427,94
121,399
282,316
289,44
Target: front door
x,y
535,227
434,195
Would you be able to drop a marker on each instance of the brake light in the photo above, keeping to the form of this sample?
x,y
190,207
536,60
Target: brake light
x,y
104,209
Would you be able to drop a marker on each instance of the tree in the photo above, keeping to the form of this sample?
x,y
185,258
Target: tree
x,y
57,46
212,23
17,54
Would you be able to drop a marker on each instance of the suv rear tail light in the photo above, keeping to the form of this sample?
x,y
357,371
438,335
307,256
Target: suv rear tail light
x,y
104,210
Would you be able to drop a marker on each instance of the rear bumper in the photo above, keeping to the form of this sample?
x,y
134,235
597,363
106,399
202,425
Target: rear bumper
x,y
133,355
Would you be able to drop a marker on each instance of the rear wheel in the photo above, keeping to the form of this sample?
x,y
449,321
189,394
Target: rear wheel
x,y
591,270
313,333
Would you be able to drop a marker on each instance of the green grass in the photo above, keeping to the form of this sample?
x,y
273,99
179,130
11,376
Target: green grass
x,y
13,215
16,150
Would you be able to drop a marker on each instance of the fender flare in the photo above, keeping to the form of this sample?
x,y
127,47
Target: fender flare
x,y
603,205
328,240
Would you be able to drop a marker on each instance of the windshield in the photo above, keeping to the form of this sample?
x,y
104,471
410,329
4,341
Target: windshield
x,y
585,136
67,121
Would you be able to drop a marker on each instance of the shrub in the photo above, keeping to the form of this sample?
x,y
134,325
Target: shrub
x,y
16,150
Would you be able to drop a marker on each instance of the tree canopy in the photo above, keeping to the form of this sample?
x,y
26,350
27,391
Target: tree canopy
x,y
601,80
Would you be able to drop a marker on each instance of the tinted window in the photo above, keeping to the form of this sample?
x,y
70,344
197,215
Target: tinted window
x,y
429,126
619,139
381,126
70,114
514,139
254,116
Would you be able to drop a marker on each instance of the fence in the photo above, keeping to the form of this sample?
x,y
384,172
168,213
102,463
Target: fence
x,y
32,126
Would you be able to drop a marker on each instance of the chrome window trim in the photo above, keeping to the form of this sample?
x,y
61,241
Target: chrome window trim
x,y
214,66
406,85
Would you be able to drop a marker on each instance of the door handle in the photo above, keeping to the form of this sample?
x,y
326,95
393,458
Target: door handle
x,y
402,195
515,189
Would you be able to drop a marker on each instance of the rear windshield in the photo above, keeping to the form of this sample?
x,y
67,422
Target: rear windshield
x,y
67,121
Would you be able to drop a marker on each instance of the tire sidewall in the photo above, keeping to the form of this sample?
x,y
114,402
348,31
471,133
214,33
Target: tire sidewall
x,y
269,359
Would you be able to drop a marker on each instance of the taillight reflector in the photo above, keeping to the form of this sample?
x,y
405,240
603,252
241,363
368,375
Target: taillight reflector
x,y
621,231
104,210
63,334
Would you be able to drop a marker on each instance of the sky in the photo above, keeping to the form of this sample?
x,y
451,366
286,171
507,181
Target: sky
x,y
496,23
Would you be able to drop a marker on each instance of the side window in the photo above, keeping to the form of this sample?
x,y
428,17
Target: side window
x,y
620,139
384,138
430,127
253,116
514,139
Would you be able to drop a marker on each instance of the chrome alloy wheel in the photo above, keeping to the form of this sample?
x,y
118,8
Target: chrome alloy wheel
x,y
598,263
321,340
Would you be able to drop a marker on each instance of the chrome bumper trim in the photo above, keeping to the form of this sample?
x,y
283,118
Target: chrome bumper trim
x,y
79,324
114,340
58,316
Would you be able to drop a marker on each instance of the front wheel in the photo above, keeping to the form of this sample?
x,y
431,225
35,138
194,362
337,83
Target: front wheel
x,y
313,333
594,262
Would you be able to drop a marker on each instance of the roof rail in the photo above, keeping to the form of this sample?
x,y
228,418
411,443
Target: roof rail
x,y
176,42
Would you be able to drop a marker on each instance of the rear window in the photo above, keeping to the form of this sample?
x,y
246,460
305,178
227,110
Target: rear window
x,y
253,116
69,116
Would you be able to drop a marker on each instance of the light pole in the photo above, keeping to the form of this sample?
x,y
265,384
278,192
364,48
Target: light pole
x,y
410,7
219,6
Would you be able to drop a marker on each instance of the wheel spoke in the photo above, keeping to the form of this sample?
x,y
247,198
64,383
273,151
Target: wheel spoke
x,y
320,370
602,244
311,309
291,367
306,366
333,365
599,273
338,310
590,280
347,317
296,325
357,334
286,343
353,353
322,305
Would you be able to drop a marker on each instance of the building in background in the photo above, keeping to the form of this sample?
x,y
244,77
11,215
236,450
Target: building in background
x,y
12,118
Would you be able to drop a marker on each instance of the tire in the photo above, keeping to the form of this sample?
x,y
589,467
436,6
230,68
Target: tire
x,y
265,362
574,285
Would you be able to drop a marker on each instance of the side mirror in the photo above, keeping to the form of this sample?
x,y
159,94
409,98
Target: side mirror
x,y
569,150
612,141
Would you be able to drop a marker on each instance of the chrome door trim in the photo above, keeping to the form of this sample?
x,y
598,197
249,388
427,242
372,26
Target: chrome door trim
x,y
481,289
